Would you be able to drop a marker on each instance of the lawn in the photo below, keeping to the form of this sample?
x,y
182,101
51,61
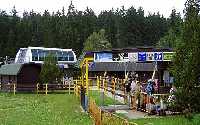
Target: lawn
x,y
32,109
96,95
169,120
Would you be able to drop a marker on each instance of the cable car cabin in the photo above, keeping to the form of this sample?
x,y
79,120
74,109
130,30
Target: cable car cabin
x,y
38,54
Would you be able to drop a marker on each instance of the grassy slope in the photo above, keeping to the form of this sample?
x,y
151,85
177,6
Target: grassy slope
x,y
53,109
98,98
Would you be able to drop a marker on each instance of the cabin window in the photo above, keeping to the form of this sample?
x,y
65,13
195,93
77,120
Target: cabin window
x,y
71,56
22,55
60,56
34,54
68,56
41,55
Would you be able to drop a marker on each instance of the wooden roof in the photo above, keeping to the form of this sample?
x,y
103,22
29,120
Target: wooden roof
x,y
121,66
10,69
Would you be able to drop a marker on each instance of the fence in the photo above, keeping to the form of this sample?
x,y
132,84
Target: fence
x,y
105,118
39,88
8,87
45,88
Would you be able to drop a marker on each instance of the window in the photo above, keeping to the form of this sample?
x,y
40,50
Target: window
x,y
60,56
68,56
71,56
34,54
41,54
22,55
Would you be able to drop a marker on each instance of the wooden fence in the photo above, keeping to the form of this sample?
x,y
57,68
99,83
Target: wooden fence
x,y
105,118
46,88
39,88
8,88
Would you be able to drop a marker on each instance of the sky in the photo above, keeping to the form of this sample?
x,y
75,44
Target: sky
x,y
163,6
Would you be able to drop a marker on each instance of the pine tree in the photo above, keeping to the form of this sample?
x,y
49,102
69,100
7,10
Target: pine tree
x,y
186,64
50,72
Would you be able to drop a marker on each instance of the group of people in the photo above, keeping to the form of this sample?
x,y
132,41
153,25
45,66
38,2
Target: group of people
x,y
134,88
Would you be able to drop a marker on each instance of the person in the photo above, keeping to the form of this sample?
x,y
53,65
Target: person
x,y
133,87
128,89
149,89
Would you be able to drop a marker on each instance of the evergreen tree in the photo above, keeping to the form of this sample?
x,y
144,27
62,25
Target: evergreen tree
x,y
50,72
97,42
174,36
123,28
186,64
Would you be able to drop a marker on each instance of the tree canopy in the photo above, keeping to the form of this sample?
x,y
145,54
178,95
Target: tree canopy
x,y
50,72
97,41
69,28
186,62
174,35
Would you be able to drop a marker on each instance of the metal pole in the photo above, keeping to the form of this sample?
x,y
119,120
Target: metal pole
x,y
86,73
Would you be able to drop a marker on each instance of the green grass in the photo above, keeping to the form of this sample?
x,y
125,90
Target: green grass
x,y
96,95
32,109
168,120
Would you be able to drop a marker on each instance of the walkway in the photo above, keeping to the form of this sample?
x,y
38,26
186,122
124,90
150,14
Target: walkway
x,y
122,109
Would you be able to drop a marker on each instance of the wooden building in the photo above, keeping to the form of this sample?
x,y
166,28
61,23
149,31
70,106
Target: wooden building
x,y
25,76
144,61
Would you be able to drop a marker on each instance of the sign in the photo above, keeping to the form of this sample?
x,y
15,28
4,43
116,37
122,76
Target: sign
x,y
120,57
158,56
103,57
167,56
142,56
150,56
133,57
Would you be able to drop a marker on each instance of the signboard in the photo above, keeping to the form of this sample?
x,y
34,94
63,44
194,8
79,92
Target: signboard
x,y
150,56
167,56
158,56
142,56
133,57
103,57
120,57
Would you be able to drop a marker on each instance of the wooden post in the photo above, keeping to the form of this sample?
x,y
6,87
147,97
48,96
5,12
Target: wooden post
x,y
74,86
115,81
104,85
69,87
37,86
124,88
46,89
100,82
14,88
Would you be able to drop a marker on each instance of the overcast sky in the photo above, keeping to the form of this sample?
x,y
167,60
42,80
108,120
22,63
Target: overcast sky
x,y
163,6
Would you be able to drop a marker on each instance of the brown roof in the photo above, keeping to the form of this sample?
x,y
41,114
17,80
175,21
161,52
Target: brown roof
x,y
120,66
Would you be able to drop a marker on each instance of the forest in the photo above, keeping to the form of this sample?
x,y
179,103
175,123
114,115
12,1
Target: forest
x,y
69,28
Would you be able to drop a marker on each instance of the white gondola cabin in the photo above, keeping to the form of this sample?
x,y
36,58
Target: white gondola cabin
x,y
37,55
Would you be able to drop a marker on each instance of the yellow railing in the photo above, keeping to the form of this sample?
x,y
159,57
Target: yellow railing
x,y
95,112
105,118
